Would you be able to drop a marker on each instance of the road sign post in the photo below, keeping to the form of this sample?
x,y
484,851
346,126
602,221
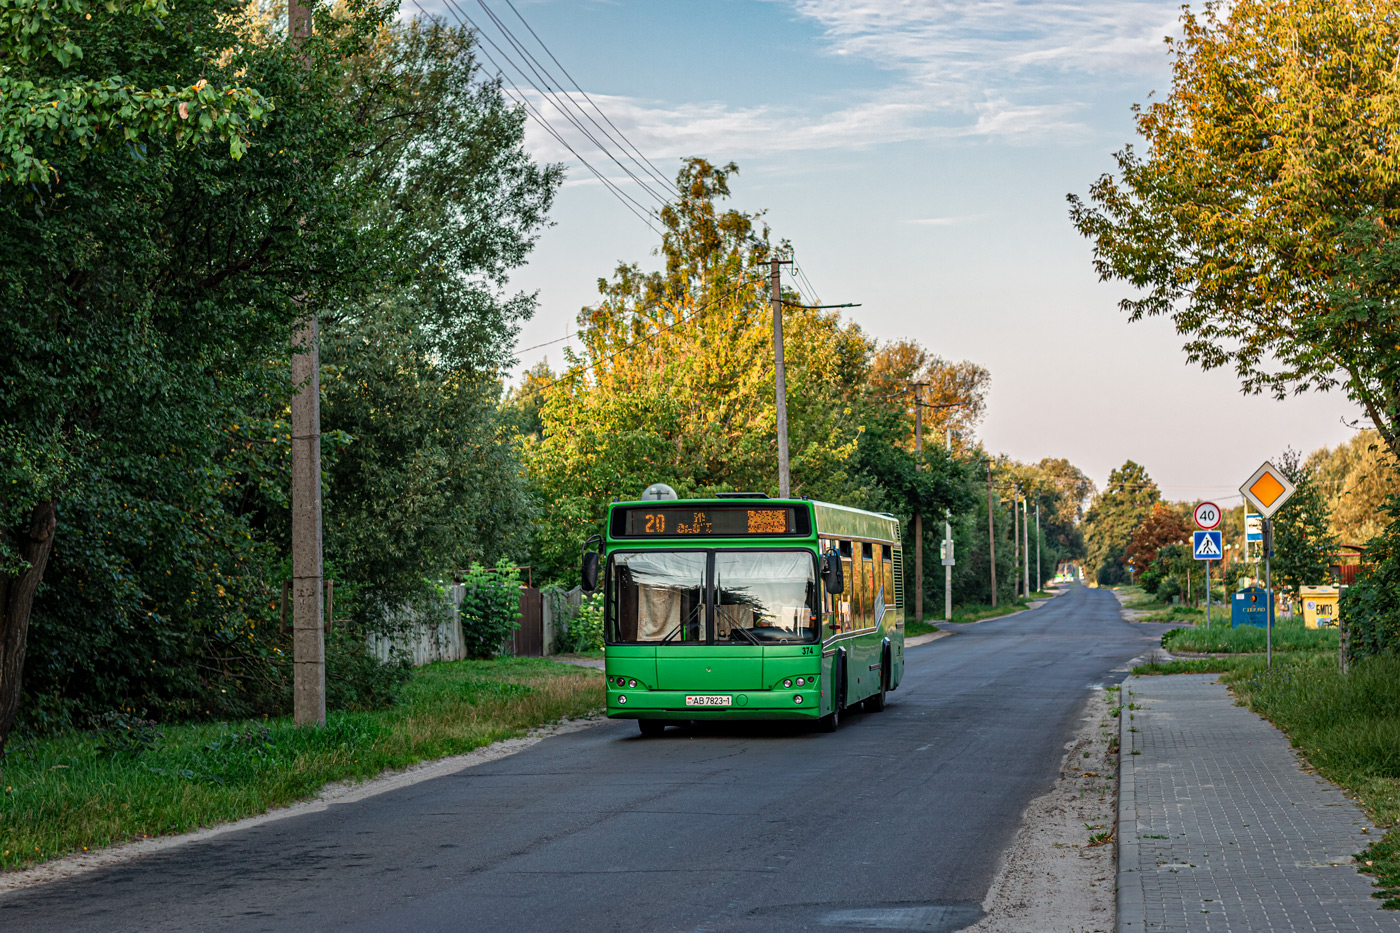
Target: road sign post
x,y
1207,516
1267,490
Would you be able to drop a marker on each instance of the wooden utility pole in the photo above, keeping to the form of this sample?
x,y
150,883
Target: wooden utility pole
x,y
308,634
991,536
918,515
779,380
1039,581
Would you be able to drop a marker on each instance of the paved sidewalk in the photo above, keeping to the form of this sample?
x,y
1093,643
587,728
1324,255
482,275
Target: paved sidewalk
x,y
1220,829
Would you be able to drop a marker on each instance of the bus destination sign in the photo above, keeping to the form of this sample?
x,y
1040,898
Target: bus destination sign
x,y
713,522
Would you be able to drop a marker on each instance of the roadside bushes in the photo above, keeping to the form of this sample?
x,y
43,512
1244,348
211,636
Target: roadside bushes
x,y
490,608
1370,607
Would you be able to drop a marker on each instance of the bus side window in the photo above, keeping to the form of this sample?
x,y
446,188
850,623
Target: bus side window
x,y
848,598
890,606
869,583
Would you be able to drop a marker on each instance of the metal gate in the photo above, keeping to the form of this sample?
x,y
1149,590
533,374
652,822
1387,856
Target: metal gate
x,y
528,640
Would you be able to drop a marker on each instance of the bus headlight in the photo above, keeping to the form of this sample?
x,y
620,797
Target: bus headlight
x,y
631,683
797,698
801,682
622,700
788,683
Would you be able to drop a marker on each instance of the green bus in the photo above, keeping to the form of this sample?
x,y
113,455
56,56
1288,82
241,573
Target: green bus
x,y
747,607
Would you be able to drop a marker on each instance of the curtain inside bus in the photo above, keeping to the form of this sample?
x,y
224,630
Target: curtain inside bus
x,y
758,597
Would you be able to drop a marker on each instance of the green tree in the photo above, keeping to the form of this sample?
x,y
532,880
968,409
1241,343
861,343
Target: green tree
x,y
675,380
431,479
1303,542
146,277
1113,517
1263,217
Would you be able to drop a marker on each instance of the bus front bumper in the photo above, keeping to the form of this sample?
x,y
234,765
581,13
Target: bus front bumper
x,y
750,704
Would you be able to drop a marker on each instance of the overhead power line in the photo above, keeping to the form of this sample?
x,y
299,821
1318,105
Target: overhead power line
x,y
517,66
655,172
647,338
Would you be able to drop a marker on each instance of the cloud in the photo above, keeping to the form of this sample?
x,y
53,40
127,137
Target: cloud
x,y
1016,72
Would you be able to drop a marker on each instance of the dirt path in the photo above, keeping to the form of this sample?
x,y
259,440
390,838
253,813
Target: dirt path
x,y
1053,879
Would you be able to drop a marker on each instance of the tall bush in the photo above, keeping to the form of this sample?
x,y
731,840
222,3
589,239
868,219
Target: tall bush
x,y
1370,608
490,608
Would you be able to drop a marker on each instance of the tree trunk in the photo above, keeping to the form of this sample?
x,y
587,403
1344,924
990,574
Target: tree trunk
x,y
16,599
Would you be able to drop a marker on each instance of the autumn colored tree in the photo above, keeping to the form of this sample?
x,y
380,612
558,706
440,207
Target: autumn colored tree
x,y
1162,526
1263,217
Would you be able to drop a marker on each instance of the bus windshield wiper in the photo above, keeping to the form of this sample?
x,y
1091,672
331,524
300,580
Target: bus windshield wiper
x,y
746,633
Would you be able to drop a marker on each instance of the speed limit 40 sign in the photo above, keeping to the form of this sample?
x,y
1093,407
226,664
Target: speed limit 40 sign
x,y
1207,515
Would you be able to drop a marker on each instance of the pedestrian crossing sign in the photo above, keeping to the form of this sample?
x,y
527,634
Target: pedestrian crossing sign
x,y
1205,545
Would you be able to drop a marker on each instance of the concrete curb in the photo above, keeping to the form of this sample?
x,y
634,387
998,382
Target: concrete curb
x,y
925,639
1132,904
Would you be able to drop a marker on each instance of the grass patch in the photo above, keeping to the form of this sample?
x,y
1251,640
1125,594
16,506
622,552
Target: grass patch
x,y
1199,665
914,629
62,795
1348,727
976,613
1288,635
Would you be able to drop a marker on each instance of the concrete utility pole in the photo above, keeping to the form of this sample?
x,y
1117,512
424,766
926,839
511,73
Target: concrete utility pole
x,y
991,537
780,381
918,514
1039,582
308,633
1015,542
1026,533
948,542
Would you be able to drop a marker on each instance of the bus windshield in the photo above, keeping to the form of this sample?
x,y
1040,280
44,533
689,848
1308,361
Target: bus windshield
x,y
748,597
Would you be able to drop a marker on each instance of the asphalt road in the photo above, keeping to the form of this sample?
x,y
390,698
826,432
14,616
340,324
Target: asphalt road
x,y
896,821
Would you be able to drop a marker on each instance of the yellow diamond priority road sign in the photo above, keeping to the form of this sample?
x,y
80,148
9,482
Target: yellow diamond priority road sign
x,y
1268,489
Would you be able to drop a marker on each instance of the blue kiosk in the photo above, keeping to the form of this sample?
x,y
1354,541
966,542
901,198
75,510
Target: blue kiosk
x,y
1251,606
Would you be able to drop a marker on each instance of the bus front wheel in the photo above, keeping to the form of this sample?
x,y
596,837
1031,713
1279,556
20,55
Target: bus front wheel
x,y
832,720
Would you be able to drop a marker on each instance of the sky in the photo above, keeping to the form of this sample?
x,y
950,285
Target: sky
x,y
918,156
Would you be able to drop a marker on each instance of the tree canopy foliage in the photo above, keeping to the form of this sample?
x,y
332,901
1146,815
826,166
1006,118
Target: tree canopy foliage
x,y
1262,217
151,283
1113,516
675,383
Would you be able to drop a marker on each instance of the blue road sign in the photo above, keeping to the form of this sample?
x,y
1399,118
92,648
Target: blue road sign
x,y
1253,527
1205,545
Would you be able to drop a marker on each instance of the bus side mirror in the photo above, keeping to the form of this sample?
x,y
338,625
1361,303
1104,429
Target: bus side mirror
x,y
831,574
589,574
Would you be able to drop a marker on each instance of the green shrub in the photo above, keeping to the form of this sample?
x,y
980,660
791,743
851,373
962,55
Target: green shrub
x,y
1370,608
586,629
122,734
357,680
490,608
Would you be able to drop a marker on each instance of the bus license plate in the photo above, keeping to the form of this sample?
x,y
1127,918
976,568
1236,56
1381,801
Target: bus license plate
x,y
707,700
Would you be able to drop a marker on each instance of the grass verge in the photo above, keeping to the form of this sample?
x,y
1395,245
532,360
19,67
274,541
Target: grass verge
x,y
1288,635
1199,665
1348,727
62,794
971,613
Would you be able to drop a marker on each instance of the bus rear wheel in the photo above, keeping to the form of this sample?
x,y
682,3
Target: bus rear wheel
x,y
651,728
